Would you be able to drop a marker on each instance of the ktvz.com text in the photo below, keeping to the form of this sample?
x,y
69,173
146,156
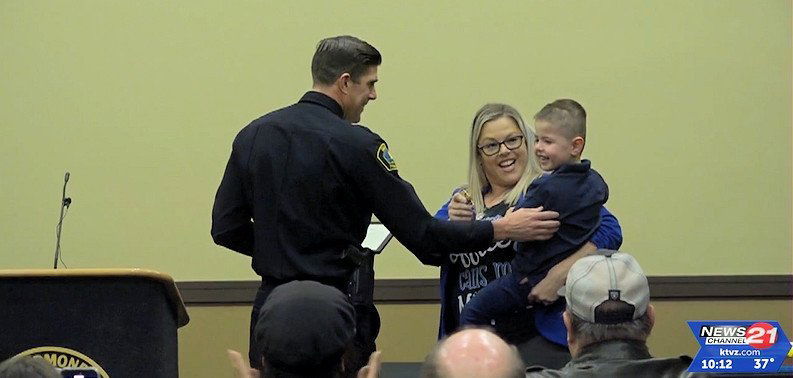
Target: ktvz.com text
x,y
738,352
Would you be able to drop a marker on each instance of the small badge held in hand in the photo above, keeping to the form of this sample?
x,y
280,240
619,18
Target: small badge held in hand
x,y
466,195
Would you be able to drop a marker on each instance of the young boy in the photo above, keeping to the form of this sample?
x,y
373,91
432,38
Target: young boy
x,y
572,189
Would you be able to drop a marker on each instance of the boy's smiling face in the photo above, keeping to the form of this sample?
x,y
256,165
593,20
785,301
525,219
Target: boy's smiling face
x,y
553,148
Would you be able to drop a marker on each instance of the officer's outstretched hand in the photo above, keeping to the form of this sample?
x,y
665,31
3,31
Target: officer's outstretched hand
x,y
526,224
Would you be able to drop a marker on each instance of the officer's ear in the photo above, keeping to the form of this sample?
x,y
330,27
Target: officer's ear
x,y
344,82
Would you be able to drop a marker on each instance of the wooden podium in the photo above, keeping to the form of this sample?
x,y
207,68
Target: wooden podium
x,y
121,321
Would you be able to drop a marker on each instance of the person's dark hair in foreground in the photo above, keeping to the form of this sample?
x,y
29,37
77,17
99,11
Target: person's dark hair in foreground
x,y
304,329
27,367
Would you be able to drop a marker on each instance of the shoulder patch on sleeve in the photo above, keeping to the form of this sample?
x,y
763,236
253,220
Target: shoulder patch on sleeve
x,y
385,158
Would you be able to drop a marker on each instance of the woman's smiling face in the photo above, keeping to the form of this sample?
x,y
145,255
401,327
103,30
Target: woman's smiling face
x,y
505,168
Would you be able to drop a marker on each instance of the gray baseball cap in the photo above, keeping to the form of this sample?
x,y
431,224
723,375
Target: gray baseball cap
x,y
607,277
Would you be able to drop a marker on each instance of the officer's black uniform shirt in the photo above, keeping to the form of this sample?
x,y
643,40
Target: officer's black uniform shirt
x,y
301,185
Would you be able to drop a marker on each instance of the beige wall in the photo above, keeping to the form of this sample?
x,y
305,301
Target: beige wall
x,y
689,104
409,331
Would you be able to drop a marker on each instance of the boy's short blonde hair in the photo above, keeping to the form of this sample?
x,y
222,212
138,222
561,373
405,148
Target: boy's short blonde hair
x,y
567,115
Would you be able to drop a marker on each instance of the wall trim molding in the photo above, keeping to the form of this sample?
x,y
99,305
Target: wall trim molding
x,y
425,290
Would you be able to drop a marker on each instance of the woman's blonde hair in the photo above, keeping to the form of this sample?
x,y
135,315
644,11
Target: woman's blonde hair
x,y
477,180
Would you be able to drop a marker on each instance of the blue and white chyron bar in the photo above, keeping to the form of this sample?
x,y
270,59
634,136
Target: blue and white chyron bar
x,y
739,346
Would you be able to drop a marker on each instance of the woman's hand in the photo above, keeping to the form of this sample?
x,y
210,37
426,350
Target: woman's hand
x,y
546,291
460,208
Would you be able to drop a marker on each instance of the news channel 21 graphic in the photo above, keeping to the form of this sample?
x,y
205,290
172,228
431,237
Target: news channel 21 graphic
x,y
741,346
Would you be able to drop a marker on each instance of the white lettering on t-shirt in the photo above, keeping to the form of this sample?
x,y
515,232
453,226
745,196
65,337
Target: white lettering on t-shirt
x,y
473,279
461,302
472,258
501,269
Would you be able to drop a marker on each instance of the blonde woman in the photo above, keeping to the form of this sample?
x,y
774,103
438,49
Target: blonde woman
x,y
502,164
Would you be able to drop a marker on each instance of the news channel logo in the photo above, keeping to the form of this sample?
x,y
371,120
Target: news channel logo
x,y
741,346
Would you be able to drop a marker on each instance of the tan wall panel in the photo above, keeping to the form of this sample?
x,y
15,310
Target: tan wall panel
x,y
408,331
203,342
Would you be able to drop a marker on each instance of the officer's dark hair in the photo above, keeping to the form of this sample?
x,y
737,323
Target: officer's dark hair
x,y
590,333
345,53
27,367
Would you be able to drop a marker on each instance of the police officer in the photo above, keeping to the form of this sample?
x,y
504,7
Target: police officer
x,y
302,183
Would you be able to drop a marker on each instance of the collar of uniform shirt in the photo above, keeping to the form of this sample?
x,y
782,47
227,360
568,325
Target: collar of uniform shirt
x,y
323,100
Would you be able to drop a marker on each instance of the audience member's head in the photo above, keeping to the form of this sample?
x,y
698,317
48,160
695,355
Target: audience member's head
x,y
473,352
304,329
27,367
607,299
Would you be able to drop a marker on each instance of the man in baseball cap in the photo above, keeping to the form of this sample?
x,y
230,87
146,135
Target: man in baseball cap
x,y
304,329
608,320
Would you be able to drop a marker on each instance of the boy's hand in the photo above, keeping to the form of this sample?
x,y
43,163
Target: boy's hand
x,y
461,208
526,224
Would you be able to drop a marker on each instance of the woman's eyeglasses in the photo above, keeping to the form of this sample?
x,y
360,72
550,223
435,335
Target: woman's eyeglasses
x,y
510,143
